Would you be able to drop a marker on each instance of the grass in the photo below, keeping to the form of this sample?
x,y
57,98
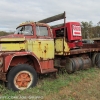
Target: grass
x,y
65,87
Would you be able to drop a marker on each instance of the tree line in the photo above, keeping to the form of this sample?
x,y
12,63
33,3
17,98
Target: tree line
x,y
89,30
3,33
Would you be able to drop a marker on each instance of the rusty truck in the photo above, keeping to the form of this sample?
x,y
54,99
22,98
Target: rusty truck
x,y
38,48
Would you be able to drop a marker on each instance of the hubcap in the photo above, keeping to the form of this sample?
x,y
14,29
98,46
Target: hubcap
x,y
23,80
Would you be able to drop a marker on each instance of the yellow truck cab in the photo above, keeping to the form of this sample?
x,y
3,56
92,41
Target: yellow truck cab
x,y
26,53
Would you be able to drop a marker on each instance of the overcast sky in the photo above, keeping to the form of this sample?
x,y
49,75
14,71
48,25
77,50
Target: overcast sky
x,y
14,12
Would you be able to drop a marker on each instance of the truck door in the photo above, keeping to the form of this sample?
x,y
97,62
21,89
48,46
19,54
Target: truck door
x,y
43,45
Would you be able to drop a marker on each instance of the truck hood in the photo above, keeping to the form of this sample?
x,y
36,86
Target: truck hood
x,y
12,37
13,43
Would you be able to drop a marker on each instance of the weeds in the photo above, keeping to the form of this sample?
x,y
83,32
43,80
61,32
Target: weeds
x,y
48,86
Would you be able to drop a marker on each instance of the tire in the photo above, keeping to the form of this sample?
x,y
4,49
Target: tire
x,y
21,77
98,60
94,59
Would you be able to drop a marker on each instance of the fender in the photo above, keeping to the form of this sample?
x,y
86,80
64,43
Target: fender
x,y
10,55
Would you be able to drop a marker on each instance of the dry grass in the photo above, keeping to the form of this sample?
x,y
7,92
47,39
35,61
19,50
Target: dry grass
x,y
82,85
88,88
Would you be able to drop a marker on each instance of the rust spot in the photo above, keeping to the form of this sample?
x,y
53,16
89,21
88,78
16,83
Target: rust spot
x,y
41,58
58,51
39,45
22,50
45,51
3,76
39,42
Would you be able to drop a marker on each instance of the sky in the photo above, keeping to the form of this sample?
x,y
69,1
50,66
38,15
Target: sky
x,y
14,12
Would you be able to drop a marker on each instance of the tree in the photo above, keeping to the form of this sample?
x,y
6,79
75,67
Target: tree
x,y
86,29
98,29
3,33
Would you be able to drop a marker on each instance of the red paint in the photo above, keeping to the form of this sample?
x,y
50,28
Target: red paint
x,y
15,58
47,64
34,31
73,34
9,57
76,27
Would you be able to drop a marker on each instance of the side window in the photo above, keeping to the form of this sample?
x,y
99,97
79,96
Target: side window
x,y
41,31
28,30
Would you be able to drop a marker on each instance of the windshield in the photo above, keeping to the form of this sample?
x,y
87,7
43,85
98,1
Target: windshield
x,y
25,30
18,30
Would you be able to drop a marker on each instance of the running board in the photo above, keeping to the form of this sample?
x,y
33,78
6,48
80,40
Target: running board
x,y
44,71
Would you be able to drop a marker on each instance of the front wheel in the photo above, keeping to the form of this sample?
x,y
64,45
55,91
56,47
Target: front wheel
x,y
21,77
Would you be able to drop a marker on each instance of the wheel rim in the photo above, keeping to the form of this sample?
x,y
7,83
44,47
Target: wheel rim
x,y
23,80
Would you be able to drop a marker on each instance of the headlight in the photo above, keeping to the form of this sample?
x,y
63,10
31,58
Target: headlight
x,y
1,61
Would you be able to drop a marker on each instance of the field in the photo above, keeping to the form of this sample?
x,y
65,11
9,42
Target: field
x,y
82,85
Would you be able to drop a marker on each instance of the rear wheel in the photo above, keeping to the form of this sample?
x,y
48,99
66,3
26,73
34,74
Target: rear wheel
x,y
21,77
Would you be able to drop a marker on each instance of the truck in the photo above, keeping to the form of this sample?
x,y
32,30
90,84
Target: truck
x,y
37,48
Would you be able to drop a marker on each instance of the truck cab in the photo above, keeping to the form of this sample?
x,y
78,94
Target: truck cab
x,y
32,46
39,40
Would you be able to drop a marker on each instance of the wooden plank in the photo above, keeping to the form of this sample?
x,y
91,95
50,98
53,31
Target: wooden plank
x,y
53,18
56,26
